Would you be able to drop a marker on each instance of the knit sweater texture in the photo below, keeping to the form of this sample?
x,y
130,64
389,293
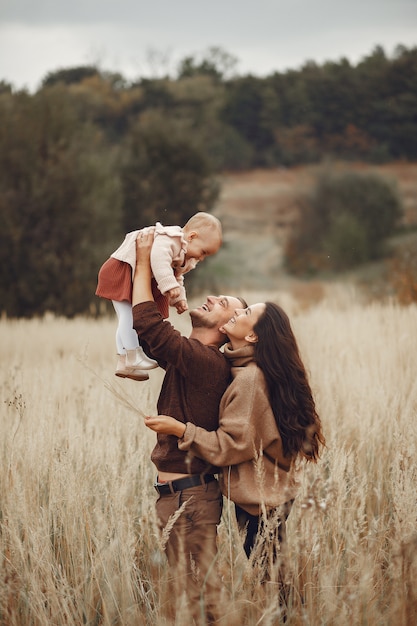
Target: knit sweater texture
x,y
168,261
247,444
196,377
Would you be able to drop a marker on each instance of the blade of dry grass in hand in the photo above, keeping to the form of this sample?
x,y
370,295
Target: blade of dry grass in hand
x,y
117,392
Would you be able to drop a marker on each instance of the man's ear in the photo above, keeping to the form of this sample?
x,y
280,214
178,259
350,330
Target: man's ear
x,y
252,337
221,329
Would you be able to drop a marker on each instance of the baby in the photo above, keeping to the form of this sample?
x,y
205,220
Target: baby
x,y
175,251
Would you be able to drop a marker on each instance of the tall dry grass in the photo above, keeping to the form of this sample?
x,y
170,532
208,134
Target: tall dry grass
x,y
78,538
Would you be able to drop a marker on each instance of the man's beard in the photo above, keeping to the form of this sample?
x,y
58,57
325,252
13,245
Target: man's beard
x,y
200,321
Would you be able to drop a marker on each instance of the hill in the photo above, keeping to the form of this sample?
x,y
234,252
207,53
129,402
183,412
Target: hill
x,y
257,209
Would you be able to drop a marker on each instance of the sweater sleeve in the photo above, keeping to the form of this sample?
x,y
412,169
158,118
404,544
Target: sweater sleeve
x,y
165,249
183,295
240,431
189,265
189,356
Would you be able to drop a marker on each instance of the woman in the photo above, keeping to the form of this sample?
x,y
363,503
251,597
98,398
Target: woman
x,y
267,425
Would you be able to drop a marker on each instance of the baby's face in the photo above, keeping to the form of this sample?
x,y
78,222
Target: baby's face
x,y
199,247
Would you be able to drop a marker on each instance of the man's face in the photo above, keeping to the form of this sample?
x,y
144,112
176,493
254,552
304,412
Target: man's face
x,y
215,312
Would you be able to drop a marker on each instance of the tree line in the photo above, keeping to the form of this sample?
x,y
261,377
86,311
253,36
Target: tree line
x,y
90,156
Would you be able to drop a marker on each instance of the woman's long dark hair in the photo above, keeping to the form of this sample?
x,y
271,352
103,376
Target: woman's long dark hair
x,y
290,395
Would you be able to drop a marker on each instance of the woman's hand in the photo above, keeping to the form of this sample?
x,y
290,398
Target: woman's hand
x,y
166,425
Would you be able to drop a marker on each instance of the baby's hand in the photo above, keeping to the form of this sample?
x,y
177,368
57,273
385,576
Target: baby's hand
x,y
174,292
181,306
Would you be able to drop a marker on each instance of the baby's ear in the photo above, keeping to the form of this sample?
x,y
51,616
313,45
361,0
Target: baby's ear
x,y
221,329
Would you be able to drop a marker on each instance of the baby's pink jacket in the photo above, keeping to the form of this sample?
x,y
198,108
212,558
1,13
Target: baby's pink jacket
x,y
168,262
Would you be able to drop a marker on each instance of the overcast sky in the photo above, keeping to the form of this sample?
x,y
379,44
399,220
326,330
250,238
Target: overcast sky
x,y
140,38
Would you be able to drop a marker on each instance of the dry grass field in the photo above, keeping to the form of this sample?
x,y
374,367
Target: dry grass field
x,y
78,539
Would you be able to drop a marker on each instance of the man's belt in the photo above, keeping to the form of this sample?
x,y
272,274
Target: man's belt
x,y
184,483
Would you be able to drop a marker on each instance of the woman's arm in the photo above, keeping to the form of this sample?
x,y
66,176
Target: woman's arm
x,y
241,426
220,447
246,425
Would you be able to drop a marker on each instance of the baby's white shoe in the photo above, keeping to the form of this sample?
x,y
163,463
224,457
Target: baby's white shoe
x,y
138,359
134,373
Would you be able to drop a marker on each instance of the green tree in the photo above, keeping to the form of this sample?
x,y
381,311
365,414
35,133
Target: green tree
x,y
388,102
215,62
165,176
247,109
400,111
70,75
345,243
156,94
344,221
197,102
53,230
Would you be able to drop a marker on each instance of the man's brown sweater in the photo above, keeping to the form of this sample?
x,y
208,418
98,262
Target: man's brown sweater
x,y
196,377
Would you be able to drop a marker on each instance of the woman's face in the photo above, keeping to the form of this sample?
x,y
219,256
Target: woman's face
x,y
239,328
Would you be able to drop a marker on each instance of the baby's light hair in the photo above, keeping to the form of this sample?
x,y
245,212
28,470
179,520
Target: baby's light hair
x,y
205,221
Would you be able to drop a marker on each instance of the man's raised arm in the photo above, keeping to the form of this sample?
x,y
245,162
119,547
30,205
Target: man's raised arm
x,y
142,291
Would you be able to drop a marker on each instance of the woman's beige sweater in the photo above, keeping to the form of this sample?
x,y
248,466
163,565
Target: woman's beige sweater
x,y
247,444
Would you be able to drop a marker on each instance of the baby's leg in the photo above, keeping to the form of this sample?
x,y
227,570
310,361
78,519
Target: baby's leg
x,y
127,341
126,335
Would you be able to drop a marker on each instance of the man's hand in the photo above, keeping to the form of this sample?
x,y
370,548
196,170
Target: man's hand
x,y
166,425
142,291
181,306
144,243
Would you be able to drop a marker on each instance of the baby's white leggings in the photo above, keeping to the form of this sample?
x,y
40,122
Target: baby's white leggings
x,y
126,335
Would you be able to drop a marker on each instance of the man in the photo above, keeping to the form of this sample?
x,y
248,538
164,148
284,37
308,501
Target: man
x,y
196,376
